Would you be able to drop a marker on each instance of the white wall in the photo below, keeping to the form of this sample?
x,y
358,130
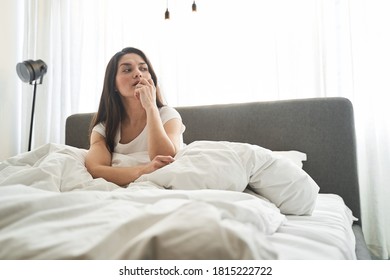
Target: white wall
x,y
10,85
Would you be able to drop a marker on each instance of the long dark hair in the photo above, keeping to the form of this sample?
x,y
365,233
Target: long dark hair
x,y
111,109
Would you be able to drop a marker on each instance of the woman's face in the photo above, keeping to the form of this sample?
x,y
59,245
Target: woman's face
x,y
131,68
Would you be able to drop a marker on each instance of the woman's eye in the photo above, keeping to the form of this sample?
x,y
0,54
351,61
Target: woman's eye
x,y
144,69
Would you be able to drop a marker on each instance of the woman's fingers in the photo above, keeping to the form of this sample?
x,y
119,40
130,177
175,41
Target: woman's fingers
x,y
165,159
145,82
159,162
146,92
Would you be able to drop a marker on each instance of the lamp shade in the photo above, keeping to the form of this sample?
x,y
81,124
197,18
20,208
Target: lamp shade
x,y
30,70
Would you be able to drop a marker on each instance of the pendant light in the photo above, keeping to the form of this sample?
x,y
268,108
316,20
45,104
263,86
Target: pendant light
x,y
167,12
167,15
194,6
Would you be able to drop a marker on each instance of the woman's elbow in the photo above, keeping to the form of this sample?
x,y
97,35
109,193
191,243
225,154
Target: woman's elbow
x,y
168,152
93,170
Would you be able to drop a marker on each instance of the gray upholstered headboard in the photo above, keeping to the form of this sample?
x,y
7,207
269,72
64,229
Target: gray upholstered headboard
x,y
323,128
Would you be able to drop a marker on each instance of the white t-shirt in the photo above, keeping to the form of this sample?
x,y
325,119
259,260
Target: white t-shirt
x,y
140,143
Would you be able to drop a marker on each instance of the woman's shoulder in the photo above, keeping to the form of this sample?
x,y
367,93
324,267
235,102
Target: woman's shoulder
x,y
167,113
100,128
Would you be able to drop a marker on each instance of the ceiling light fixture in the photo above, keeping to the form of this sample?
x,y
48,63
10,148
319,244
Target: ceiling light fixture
x,y
194,6
167,14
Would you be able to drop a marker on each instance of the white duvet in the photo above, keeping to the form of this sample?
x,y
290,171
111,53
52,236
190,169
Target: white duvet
x,y
51,208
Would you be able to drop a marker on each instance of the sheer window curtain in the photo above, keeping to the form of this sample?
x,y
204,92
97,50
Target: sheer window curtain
x,y
229,51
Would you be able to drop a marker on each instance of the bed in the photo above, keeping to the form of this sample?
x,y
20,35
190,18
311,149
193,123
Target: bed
x,y
260,180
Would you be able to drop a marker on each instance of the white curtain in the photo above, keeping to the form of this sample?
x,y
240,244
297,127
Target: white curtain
x,y
228,51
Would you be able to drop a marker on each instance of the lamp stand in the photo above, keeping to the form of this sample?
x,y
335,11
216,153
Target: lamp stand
x,y
32,114
34,83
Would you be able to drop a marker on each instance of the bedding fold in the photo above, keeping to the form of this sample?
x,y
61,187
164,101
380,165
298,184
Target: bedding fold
x,y
139,223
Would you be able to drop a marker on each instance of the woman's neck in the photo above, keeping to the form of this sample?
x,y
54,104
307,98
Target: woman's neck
x,y
134,112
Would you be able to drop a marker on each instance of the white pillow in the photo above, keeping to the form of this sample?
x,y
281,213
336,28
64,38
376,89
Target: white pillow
x,y
232,166
287,185
202,165
295,156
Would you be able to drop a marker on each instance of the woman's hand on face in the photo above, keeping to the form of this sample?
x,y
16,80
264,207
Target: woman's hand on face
x,y
158,162
145,92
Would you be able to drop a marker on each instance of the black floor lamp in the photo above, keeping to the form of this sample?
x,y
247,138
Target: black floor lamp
x,y
30,71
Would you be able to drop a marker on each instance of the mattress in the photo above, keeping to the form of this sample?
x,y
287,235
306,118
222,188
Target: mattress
x,y
325,235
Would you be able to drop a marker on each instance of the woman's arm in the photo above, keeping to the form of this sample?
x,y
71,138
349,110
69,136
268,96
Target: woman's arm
x,y
98,164
163,139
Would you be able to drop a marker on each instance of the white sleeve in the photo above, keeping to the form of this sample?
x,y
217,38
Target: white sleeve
x,y
167,113
100,128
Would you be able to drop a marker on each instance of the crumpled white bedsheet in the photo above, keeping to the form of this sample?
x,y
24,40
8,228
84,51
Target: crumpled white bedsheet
x,y
51,208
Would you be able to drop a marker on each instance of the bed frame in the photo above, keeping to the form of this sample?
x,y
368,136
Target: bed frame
x,y
323,128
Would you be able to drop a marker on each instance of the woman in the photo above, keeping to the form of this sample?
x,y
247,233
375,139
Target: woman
x,y
132,118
